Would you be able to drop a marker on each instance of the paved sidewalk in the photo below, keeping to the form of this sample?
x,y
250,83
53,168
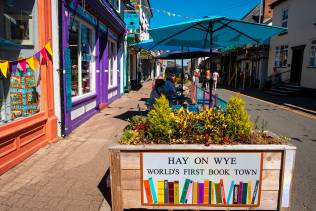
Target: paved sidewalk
x,y
66,175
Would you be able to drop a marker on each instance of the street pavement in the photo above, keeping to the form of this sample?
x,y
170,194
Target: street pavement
x,y
72,173
301,128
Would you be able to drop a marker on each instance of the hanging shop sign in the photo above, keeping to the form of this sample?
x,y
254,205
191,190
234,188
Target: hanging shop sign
x,y
131,38
230,179
132,21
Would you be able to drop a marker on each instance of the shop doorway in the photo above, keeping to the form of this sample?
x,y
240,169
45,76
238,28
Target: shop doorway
x,y
297,62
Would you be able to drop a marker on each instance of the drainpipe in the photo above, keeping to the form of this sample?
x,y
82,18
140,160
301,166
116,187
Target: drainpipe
x,y
61,70
261,11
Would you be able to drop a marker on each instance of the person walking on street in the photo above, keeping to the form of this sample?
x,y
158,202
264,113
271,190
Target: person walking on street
x,y
215,79
196,76
208,78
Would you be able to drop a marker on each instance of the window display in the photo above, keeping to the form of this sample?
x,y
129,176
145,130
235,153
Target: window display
x,y
19,87
82,58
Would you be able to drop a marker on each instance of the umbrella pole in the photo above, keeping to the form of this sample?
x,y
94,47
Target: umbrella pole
x,y
211,54
182,72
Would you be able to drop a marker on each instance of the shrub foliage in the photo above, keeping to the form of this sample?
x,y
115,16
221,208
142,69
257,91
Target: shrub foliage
x,y
163,126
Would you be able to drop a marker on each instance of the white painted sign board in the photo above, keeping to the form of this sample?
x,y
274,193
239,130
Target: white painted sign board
x,y
201,178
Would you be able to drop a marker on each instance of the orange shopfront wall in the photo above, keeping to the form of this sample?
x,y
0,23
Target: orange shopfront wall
x,y
21,138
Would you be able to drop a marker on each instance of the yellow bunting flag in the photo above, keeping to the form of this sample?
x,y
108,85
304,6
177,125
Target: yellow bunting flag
x,y
31,62
49,48
4,68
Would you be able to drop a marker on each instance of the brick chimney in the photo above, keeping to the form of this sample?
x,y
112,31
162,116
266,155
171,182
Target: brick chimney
x,y
267,11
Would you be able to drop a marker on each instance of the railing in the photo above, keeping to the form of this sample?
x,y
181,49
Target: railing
x,y
274,80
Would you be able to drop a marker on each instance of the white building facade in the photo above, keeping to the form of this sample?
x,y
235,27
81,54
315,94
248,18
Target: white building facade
x,y
294,53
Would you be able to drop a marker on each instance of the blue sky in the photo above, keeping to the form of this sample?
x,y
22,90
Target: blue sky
x,y
198,9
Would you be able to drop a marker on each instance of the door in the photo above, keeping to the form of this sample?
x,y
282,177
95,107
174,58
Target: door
x,y
297,62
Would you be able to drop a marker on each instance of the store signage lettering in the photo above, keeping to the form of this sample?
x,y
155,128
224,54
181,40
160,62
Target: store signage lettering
x,y
201,179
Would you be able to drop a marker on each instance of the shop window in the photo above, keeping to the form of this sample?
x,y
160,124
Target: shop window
x,y
281,54
312,58
112,61
20,91
81,44
284,18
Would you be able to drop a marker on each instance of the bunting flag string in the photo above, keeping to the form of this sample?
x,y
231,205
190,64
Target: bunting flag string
x,y
4,68
31,62
168,13
46,52
23,65
49,49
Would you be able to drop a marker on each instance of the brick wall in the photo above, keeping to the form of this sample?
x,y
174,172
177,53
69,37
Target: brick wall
x,y
267,10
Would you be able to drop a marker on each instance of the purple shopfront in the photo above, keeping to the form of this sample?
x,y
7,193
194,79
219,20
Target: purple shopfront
x,y
92,36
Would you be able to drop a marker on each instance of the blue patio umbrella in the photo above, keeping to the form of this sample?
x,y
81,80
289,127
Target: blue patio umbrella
x,y
212,32
215,32
186,54
152,45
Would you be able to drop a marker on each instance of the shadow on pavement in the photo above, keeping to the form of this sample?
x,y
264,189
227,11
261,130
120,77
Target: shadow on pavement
x,y
105,187
144,99
305,102
127,115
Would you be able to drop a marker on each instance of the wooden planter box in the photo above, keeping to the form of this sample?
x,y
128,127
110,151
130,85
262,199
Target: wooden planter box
x,y
276,170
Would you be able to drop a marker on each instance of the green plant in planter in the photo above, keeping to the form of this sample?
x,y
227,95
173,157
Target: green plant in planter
x,y
161,121
135,132
214,124
138,123
237,121
131,137
184,124
163,126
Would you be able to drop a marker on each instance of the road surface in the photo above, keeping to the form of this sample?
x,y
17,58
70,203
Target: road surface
x,y
301,129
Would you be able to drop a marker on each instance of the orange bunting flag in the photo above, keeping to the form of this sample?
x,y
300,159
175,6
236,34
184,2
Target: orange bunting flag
x,y
31,62
23,64
49,49
4,68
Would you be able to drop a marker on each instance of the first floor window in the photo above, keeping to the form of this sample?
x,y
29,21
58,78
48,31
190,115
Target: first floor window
x,y
112,61
312,58
81,44
281,54
284,18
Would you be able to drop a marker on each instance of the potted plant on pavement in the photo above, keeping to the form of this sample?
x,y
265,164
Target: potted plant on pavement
x,y
207,160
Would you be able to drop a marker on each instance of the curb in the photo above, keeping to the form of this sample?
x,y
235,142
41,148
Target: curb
x,y
295,109
300,109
